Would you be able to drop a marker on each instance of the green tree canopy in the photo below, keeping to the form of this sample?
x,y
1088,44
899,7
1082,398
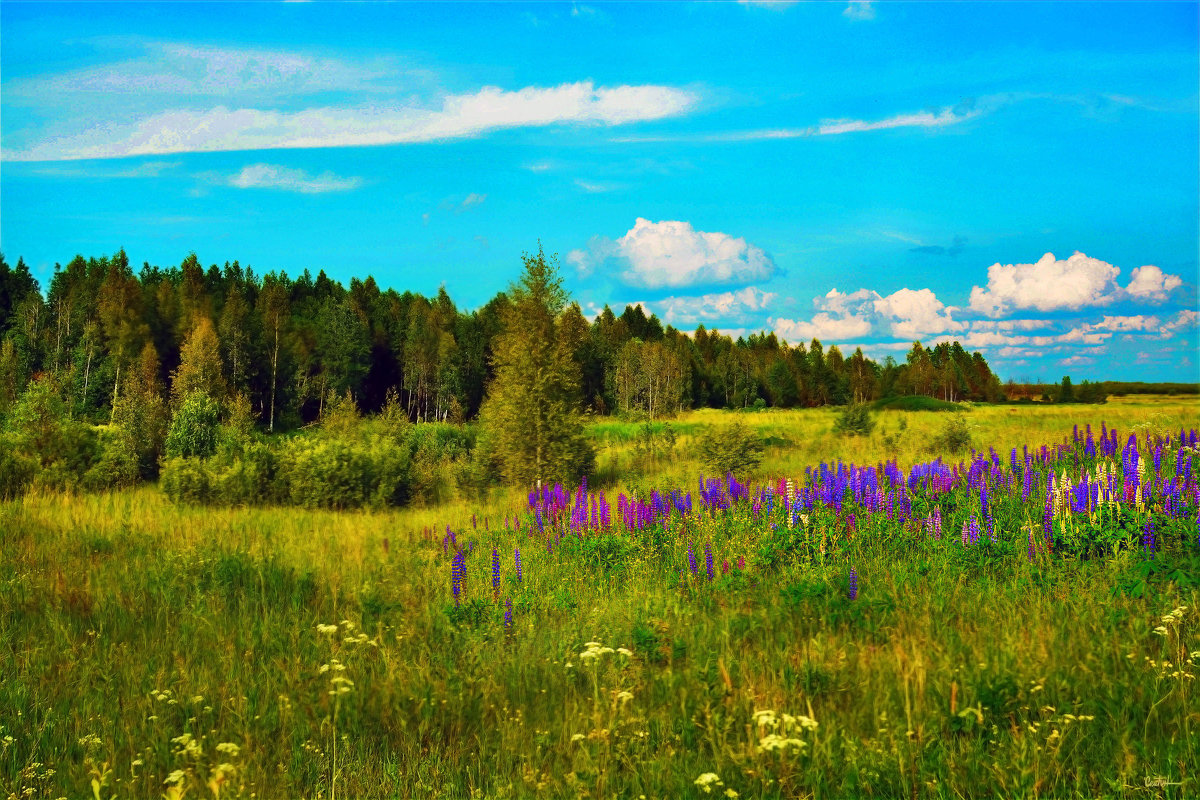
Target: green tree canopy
x,y
530,414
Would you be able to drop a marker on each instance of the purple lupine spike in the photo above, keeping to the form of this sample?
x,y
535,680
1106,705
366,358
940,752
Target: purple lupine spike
x,y
708,560
691,555
458,573
495,572
508,618
852,588
1148,539
741,563
517,558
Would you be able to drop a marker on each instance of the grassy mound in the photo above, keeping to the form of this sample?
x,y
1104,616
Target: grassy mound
x,y
916,403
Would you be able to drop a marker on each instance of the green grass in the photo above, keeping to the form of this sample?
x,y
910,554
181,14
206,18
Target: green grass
x,y
127,623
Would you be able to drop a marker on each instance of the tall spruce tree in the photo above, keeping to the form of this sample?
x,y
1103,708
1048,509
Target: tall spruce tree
x,y
530,414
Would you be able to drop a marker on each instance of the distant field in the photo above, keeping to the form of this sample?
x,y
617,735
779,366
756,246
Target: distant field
x,y
151,650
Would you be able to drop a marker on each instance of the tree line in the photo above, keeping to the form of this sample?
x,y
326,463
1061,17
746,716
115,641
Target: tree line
x,y
284,345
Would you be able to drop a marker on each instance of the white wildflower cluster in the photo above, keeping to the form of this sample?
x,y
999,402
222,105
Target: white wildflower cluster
x,y
164,696
782,731
594,650
1171,620
707,781
327,630
186,746
341,684
90,742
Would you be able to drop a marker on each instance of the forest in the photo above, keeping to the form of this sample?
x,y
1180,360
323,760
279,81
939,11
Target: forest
x,y
284,345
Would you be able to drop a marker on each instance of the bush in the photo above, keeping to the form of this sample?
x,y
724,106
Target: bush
x,y
731,448
16,469
117,464
250,478
954,437
186,480
855,420
193,431
326,474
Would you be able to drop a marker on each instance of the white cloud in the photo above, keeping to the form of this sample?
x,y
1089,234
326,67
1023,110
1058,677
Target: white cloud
x,y
827,327
1073,283
859,10
1074,361
922,119
735,306
174,68
915,313
491,108
773,5
1150,283
470,201
906,313
271,176
939,118
674,254
595,188
1046,285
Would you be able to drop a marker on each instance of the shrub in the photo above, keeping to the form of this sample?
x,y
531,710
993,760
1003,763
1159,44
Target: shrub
x,y
250,478
16,469
954,437
326,473
186,480
193,430
117,463
731,448
855,420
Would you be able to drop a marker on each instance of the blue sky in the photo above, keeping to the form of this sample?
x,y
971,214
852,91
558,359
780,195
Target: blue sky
x,y
867,173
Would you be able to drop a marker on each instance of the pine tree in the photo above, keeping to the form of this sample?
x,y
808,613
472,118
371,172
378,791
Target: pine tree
x,y
530,415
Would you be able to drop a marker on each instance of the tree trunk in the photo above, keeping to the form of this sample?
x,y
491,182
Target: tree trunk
x,y
274,372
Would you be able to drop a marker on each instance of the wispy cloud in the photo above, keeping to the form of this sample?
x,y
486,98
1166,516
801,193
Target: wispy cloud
x,y
470,201
174,68
594,187
147,169
940,118
460,116
859,10
272,176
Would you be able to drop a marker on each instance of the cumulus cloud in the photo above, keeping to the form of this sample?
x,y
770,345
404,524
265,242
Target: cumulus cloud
x,y
1074,283
824,326
1150,283
459,116
906,313
672,254
271,176
737,306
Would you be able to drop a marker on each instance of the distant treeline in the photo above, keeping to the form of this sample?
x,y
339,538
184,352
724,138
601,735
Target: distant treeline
x,y
284,345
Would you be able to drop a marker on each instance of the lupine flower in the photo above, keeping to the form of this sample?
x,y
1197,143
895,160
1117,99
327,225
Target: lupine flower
x,y
708,561
741,562
691,555
458,572
853,587
495,571
517,558
508,615
1148,539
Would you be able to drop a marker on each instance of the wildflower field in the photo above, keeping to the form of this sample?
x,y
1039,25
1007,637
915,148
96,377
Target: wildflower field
x,y
858,618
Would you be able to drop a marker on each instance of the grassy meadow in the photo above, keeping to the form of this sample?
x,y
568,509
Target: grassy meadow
x,y
155,650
